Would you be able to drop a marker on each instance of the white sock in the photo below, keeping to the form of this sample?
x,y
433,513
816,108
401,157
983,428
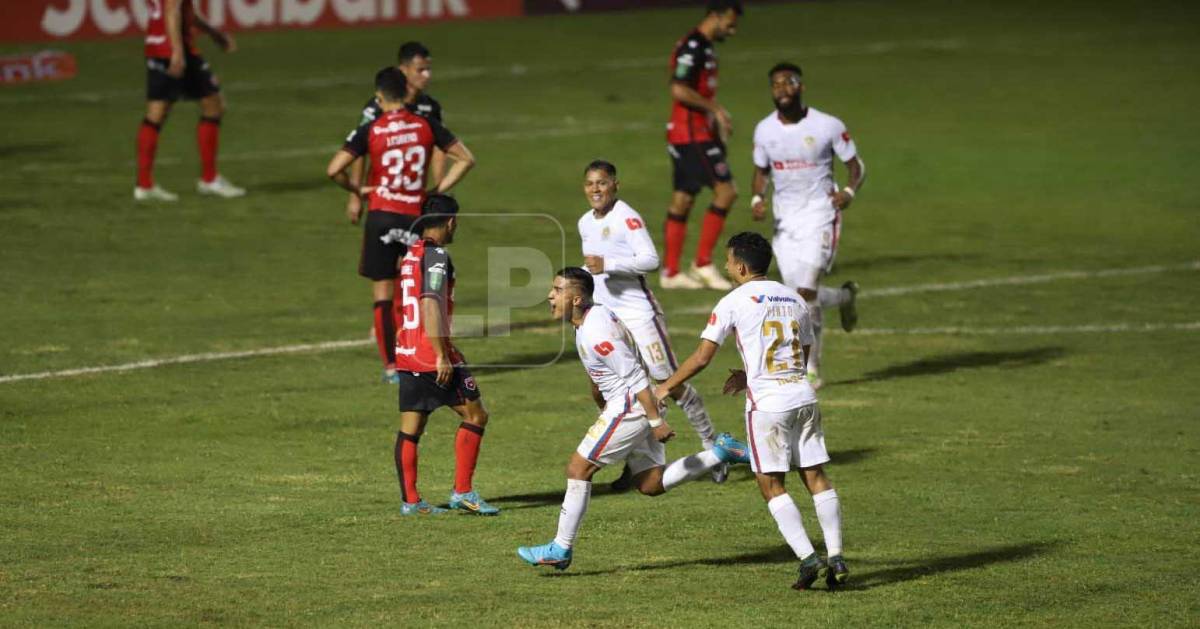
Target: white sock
x,y
829,297
787,517
814,352
689,468
693,406
829,514
575,504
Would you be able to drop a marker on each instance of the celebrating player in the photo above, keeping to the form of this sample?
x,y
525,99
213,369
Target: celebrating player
x,y
398,144
630,427
696,137
174,69
433,373
416,62
618,252
794,149
773,331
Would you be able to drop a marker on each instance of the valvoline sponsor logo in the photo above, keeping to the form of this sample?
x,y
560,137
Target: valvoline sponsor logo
x,y
759,299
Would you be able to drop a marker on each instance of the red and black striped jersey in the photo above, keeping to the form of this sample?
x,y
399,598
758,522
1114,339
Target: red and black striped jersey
x,y
399,144
158,43
693,63
426,272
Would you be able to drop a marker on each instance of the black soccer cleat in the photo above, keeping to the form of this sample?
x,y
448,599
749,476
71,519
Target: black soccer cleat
x,y
624,482
837,573
849,309
811,569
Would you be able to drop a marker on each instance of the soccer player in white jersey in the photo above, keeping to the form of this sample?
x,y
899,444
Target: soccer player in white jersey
x,y
773,332
618,252
630,428
794,149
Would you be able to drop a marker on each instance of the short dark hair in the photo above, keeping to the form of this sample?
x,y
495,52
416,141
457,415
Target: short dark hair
x,y
580,277
784,66
751,249
436,211
391,83
721,6
599,164
410,49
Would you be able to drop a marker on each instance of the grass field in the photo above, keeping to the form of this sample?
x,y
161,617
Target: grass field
x,y
1014,444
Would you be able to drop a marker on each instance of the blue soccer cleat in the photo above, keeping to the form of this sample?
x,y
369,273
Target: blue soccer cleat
x,y
420,508
730,450
546,555
472,503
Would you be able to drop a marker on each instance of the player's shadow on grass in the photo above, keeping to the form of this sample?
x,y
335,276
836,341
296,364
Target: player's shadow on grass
x,y
861,578
30,148
536,500
949,363
920,568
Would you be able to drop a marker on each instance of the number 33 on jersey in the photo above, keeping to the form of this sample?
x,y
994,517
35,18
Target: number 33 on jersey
x,y
399,144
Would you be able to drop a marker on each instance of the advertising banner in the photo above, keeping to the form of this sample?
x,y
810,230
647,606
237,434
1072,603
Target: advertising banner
x,y
53,20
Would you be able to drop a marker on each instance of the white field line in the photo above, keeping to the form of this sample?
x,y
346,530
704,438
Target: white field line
x,y
580,129
518,70
188,358
1015,280
1100,328
1020,280
1108,328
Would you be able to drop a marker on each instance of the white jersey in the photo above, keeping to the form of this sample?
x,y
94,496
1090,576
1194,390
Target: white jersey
x,y
800,157
770,324
608,352
620,236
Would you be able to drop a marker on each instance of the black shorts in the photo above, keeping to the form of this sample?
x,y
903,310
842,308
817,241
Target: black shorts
x,y
419,391
196,83
386,237
698,165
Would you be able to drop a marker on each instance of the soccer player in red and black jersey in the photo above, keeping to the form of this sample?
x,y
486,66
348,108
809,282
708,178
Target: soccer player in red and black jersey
x,y
416,62
398,144
433,373
175,69
696,137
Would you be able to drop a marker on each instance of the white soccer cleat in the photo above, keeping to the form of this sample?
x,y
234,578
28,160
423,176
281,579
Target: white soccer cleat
x,y
220,187
679,281
153,194
710,277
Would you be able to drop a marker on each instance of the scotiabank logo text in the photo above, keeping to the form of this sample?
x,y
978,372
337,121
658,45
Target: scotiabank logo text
x,y
64,18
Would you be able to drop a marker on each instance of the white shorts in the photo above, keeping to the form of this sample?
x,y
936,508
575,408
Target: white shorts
x,y
654,345
804,258
619,439
783,441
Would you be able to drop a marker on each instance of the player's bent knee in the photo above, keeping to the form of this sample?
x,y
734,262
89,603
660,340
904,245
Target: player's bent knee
x,y
649,483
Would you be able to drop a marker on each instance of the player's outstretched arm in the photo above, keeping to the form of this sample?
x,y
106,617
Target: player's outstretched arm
x,y
463,160
693,365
